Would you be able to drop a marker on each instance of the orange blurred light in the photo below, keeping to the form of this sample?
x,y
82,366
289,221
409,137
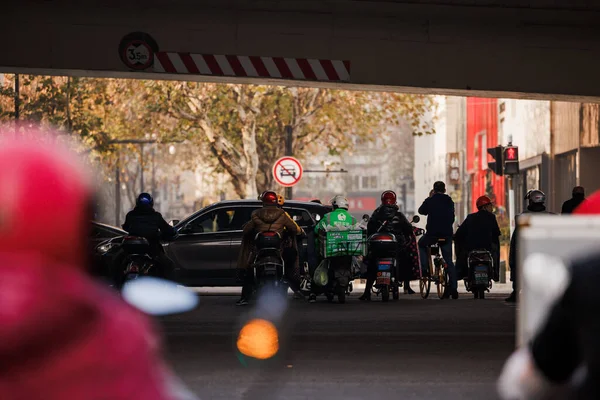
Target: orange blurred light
x,y
258,339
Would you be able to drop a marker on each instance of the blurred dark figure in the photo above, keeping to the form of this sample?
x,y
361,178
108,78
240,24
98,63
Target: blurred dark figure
x,y
564,353
62,336
388,218
479,230
146,222
536,203
578,197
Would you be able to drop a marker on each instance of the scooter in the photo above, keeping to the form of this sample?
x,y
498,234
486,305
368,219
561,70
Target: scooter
x,y
340,272
138,261
383,251
269,266
481,266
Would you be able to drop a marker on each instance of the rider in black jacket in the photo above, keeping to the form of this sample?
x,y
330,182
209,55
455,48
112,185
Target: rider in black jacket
x,y
396,223
479,231
146,222
536,204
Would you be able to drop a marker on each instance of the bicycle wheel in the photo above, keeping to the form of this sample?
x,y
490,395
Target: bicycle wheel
x,y
441,277
425,280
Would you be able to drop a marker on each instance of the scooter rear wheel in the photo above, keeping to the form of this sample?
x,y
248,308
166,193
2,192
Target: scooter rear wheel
x,y
385,294
341,295
481,293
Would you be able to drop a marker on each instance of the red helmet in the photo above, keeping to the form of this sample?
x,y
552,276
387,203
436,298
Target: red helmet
x,y
482,202
45,201
388,198
590,205
269,198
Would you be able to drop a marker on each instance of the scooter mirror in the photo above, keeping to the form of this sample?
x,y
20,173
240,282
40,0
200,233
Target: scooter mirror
x,y
366,217
416,219
158,296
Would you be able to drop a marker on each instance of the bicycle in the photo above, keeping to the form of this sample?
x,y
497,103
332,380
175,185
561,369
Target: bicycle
x,y
437,271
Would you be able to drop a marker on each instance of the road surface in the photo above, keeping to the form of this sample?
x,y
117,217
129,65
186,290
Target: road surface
x,y
410,349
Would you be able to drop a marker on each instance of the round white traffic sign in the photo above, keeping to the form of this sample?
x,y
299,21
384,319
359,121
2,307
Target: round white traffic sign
x,y
287,171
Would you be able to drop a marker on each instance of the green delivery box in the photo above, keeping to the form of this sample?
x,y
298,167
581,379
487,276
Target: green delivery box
x,y
342,243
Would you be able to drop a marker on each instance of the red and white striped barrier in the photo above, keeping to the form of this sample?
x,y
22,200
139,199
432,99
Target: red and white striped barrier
x,y
256,67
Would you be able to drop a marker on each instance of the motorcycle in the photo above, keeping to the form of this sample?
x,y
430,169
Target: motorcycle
x,y
480,265
268,265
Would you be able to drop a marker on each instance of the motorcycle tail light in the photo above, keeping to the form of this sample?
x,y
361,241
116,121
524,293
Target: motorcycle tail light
x,y
385,238
269,234
134,268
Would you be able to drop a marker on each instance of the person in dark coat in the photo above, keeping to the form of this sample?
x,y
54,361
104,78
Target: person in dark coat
x,y
439,209
536,204
397,223
144,221
479,230
571,204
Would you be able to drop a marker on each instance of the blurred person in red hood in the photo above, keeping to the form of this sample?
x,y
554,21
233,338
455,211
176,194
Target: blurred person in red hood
x,y
62,336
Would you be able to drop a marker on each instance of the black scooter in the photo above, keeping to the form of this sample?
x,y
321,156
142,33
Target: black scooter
x,y
269,266
138,261
480,265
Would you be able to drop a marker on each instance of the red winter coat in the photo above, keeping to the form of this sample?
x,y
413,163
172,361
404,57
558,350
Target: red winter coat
x,y
64,337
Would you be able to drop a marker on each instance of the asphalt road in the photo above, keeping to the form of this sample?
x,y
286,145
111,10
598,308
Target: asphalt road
x,y
409,349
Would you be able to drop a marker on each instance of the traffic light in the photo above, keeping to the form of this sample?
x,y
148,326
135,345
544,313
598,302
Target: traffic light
x,y
511,160
496,166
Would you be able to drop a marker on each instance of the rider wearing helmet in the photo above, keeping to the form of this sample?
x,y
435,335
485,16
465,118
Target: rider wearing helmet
x,y
50,302
271,217
439,209
536,204
398,224
338,218
145,221
479,230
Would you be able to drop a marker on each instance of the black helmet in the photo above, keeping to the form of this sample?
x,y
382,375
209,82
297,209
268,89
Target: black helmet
x,y
439,187
145,200
535,197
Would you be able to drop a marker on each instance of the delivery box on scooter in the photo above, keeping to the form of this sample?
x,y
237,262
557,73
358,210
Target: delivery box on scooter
x,y
336,243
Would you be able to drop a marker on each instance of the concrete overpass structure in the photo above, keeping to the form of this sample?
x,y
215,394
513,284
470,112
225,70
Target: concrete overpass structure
x,y
518,48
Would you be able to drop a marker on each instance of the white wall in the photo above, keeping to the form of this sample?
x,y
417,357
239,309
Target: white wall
x,y
528,122
430,157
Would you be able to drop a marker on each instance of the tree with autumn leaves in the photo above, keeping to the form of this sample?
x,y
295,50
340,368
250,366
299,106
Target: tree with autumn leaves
x,y
239,128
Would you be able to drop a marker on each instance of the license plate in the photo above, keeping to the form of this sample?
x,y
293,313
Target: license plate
x,y
384,278
481,278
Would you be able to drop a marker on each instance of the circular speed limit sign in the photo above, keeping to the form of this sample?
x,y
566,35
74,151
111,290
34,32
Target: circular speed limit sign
x,y
137,50
287,171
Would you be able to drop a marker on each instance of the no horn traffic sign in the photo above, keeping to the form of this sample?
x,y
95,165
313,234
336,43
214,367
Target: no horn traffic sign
x,y
287,171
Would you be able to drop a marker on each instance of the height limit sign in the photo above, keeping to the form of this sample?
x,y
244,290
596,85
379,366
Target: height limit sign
x,y
287,171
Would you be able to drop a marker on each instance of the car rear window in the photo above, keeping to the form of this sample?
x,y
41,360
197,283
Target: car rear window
x,y
302,217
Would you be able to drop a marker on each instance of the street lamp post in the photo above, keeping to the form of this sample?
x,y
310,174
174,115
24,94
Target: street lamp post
x,y
289,151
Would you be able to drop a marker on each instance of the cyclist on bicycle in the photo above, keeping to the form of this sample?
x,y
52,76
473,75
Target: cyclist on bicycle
x,y
439,209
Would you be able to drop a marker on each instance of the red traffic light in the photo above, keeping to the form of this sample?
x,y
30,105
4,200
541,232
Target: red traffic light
x,y
512,154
